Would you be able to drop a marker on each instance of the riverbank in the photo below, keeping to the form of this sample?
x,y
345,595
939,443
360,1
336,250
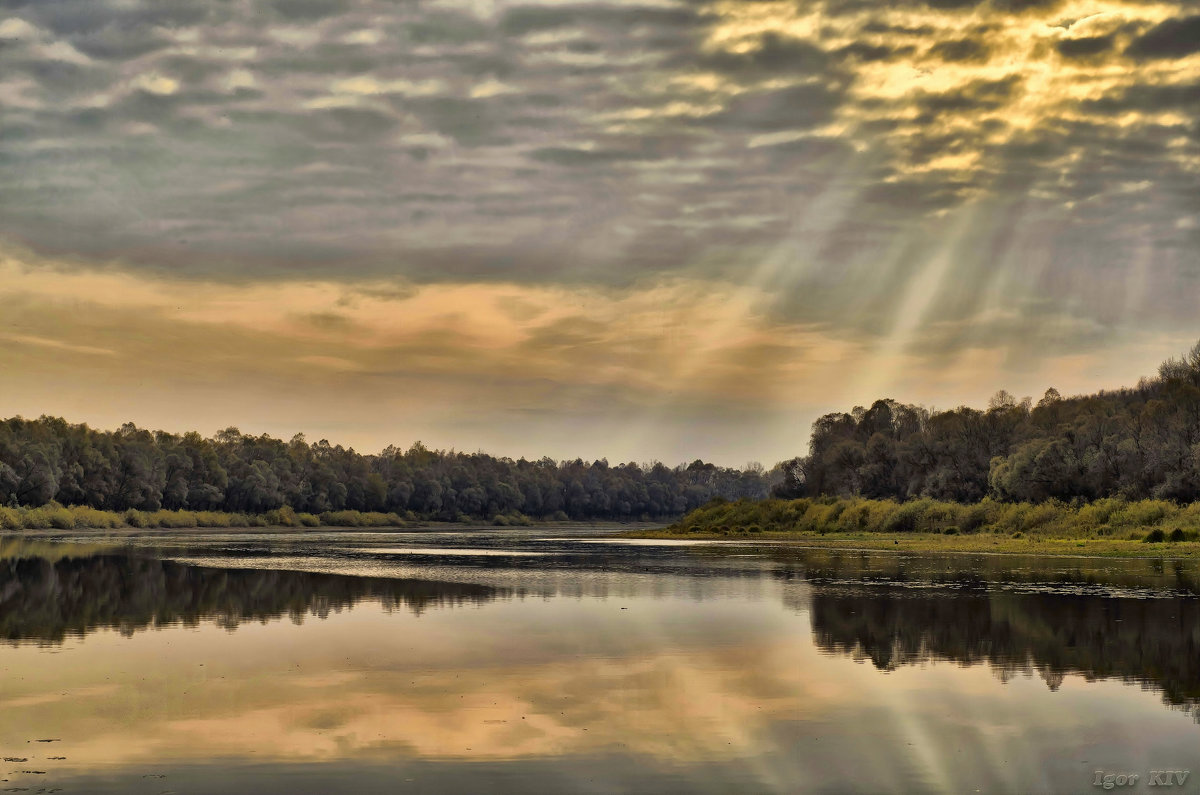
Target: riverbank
x,y
933,542
1107,528
53,517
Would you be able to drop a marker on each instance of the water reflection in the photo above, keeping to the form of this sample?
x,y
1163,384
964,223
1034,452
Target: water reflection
x,y
47,600
1096,576
754,669
1148,641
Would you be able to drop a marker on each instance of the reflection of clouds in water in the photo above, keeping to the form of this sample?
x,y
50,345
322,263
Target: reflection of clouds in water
x,y
513,682
480,686
741,668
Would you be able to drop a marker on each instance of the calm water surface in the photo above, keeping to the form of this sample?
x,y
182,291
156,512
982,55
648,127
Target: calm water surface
x,y
557,661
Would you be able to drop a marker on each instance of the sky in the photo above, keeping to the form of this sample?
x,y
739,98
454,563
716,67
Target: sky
x,y
633,229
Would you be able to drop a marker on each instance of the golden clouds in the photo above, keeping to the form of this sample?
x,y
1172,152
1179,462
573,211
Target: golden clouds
x,y
538,368
645,340
379,685
972,80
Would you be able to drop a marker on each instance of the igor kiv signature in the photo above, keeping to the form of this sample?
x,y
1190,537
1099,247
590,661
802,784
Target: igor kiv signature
x,y
1155,778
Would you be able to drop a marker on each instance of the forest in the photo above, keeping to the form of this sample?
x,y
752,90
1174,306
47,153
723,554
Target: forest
x,y
1131,444
1136,443
132,471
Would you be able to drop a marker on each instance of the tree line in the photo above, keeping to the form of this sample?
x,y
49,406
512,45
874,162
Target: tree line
x,y
50,459
1135,443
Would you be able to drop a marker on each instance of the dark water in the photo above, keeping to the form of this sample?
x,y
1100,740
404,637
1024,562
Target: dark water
x,y
550,661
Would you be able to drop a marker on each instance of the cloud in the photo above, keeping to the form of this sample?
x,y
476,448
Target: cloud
x,y
960,50
1085,46
776,55
57,345
565,156
820,157
1172,38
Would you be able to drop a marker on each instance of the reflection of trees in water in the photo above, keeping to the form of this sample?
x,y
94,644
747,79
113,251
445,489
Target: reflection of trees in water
x,y
1154,642
980,570
48,600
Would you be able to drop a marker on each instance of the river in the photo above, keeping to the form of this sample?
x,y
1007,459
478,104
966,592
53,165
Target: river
x,y
558,660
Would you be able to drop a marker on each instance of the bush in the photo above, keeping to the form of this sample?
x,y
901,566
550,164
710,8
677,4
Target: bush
x,y
1155,536
171,519
972,518
283,517
59,517
1039,515
906,518
90,517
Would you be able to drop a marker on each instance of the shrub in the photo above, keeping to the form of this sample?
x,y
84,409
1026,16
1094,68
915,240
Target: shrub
x,y
171,519
906,518
10,519
59,517
284,517
972,518
1039,515
91,517
1155,536
1143,513
1100,512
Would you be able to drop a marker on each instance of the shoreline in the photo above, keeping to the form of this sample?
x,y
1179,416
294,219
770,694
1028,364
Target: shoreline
x,y
914,543
933,543
615,528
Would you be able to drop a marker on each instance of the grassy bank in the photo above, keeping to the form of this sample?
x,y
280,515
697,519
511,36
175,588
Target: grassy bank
x,y
59,517
1104,527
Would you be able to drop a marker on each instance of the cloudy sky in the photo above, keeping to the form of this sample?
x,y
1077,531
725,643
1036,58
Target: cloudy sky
x,y
640,229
